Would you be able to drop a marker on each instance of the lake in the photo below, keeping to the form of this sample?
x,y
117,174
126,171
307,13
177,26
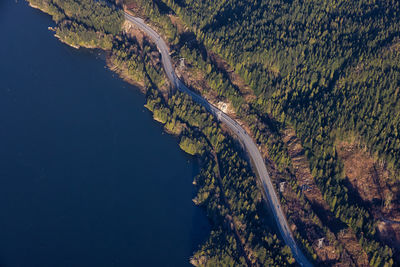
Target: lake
x,y
87,178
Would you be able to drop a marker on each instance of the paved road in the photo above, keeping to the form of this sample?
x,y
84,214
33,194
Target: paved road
x,y
248,142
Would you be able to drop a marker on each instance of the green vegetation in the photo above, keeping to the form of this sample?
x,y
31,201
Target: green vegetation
x,y
194,52
192,145
228,191
87,23
227,186
326,68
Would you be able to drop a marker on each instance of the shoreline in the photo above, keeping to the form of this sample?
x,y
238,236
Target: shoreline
x,y
121,72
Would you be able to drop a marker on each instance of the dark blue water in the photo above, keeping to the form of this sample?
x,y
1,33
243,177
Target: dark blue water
x,y
87,178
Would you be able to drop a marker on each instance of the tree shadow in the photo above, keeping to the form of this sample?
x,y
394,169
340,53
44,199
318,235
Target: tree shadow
x,y
334,224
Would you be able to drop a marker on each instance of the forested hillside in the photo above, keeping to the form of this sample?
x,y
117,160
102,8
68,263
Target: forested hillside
x,y
330,69
327,69
293,54
227,187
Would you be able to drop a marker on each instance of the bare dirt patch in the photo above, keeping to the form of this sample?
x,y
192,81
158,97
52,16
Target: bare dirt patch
x,y
371,179
361,171
390,232
375,185
133,32
338,232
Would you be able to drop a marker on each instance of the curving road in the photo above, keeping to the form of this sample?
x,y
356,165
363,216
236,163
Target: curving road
x,y
247,141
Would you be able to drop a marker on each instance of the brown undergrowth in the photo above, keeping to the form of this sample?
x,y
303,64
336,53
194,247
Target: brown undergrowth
x,y
374,185
341,247
339,236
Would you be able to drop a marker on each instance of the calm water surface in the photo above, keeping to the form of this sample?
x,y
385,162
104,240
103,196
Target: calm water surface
x,y
87,178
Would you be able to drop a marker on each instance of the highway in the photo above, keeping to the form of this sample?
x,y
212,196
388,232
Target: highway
x,y
252,150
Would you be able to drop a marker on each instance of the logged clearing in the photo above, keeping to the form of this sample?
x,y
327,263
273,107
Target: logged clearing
x,y
376,186
342,236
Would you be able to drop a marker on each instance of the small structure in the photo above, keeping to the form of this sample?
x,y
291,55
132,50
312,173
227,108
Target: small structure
x,y
282,187
321,242
222,106
182,63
